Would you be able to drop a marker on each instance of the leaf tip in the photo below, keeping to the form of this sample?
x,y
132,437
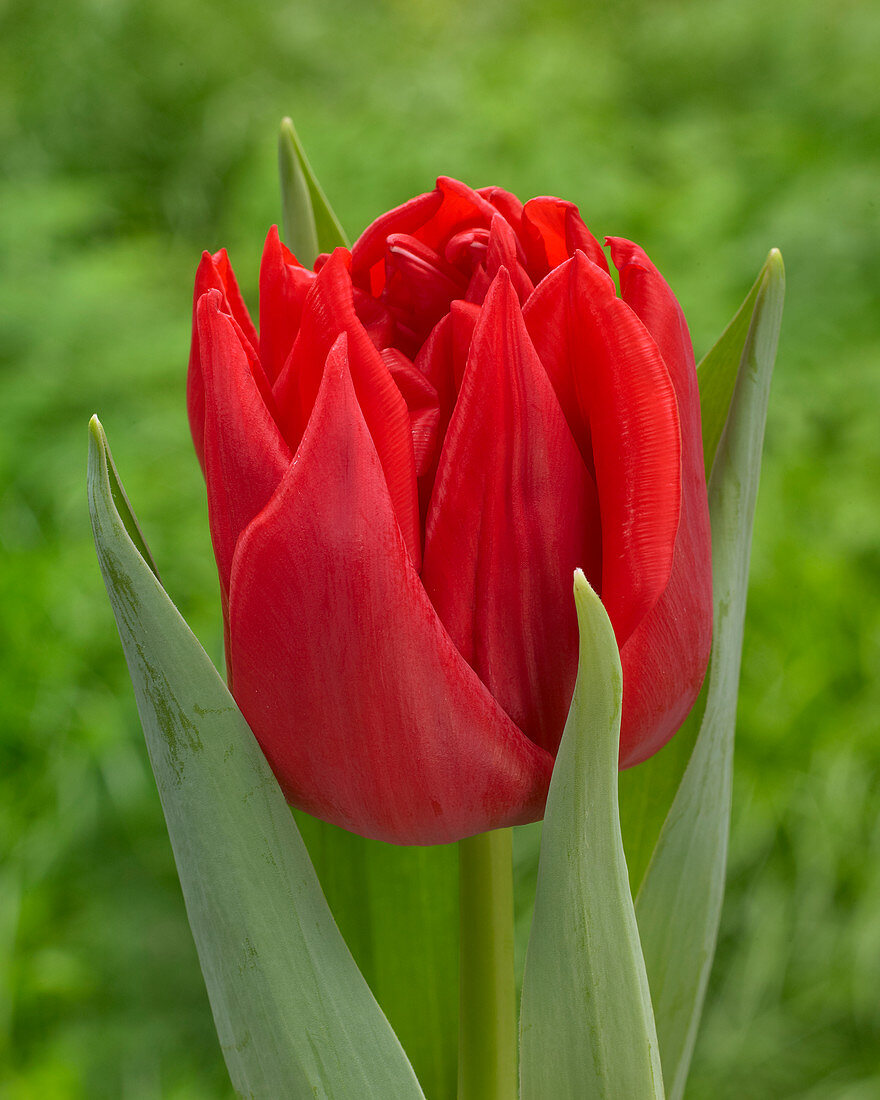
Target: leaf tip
x,y
584,593
97,444
287,132
594,625
774,265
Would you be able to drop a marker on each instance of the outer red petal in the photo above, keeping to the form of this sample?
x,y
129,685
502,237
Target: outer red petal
x,y
514,512
237,308
364,708
284,283
328,311
596,350
665,658
214,273
245,455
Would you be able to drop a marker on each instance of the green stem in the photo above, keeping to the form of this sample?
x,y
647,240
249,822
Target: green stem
x,y
487,1018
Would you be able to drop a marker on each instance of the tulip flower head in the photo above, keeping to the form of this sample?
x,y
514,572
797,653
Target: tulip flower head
x,y
404,468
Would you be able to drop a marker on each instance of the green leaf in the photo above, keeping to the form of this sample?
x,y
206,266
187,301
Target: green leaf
x,y
719,369
647,791
397,908
294,1015
309,224
587,1029
679,902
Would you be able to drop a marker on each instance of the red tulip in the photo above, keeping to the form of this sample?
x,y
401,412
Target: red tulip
x,y
405,466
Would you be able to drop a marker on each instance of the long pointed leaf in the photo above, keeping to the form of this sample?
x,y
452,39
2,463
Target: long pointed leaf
x,y
294,1015
587,1029
309,224
679,903
646,793
719,369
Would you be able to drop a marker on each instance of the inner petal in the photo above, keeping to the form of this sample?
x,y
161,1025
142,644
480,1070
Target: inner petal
x,y
419,284
513,513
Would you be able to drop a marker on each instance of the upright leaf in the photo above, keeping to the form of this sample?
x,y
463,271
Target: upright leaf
x,y
294,1015
679,902
646,793
309,224
587,1029
719,369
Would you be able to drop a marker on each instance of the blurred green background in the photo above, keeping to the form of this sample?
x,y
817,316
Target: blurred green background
x,y
136,134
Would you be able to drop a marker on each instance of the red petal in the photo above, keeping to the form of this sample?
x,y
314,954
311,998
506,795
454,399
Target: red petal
x,y
546,315
377,321
237,308
432,218
214,273
368,251
421,401
443,357
245,456
552,230
596,349
506,251
464,321
502,250
329,311
478,287
665,658
505,203
434,361
461,208
368,715
419,284
514,512
284,283
645,290
467,249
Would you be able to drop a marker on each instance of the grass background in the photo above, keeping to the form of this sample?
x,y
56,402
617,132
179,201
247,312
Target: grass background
x,y
136,134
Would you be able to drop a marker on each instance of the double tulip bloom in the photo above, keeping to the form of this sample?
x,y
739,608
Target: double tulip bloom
x,y
428,435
